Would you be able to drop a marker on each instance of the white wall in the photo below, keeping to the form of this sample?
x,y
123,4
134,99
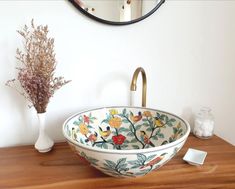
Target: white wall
x,y
187,49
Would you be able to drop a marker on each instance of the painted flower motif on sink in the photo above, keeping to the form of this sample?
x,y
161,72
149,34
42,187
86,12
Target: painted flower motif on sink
x,y
115,122
122,167
125,141
118,139
126,130
83,129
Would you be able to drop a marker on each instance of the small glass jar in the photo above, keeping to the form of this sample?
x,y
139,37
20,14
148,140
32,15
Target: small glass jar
x,y
204,124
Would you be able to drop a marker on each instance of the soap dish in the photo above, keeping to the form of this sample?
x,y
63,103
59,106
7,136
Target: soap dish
x,y
195,157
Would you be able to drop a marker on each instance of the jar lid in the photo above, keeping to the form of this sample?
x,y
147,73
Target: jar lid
x,y
205,109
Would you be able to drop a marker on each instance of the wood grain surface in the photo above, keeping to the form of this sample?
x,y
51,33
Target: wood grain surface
x,y
24,167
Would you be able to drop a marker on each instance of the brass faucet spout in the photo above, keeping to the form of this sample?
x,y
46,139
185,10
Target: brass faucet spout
x,y
144,86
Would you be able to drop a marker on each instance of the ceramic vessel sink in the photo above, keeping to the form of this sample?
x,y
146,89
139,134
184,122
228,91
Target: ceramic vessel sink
x,y
126,141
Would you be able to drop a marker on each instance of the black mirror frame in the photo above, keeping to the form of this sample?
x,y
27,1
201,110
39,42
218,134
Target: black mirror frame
x,y
116,23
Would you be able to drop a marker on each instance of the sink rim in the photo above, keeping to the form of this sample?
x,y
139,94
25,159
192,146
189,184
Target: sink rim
x,y
129,151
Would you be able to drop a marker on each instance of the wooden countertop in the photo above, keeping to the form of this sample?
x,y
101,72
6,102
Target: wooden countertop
x,y
24,167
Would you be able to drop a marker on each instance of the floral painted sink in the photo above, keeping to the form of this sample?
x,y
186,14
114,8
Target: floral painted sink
x,y
126,141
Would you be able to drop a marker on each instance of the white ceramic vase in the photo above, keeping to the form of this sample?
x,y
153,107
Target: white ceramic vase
x,y
44,143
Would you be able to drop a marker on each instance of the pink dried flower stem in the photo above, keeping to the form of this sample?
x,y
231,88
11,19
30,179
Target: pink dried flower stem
x,y
36,76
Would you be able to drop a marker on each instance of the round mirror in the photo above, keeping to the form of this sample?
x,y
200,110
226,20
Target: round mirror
x,y
117,12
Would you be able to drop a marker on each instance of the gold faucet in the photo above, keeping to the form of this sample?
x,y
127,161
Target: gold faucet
x,y
144,87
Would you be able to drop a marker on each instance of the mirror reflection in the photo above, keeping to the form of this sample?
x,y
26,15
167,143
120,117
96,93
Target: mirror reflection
x,y
118,10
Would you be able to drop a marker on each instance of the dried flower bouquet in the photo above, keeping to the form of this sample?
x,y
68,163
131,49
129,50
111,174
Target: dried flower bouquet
x,y
36,76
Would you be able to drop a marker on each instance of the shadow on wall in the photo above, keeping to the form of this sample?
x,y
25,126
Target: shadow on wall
x,y
20,121
188,115
54,123
114,85
111,89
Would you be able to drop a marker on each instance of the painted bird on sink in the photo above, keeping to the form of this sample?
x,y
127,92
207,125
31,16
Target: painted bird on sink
x,y
74,134
158,122
86,119
135,118
145,138
154,161
92,137
106,133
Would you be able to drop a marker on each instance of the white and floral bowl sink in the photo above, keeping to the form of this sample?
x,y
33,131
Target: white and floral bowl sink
x,y
126,141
